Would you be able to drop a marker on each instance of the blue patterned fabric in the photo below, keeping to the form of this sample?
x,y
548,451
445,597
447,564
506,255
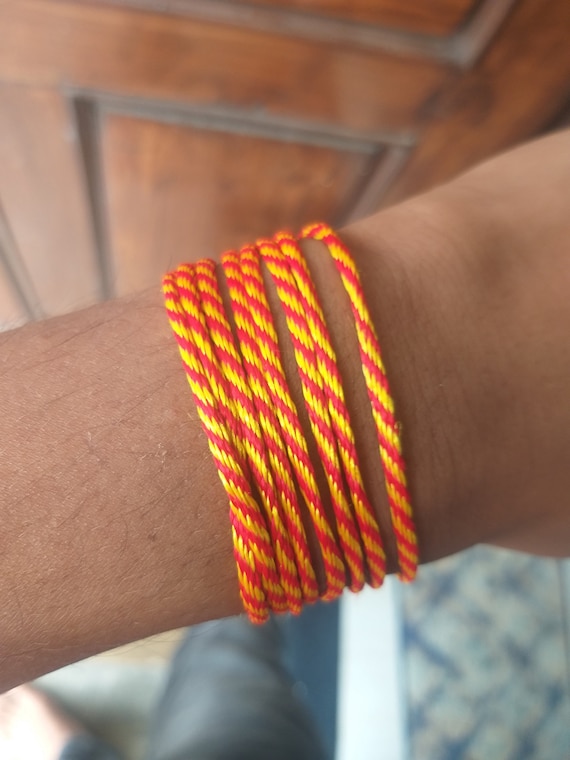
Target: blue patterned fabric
x,y
487,659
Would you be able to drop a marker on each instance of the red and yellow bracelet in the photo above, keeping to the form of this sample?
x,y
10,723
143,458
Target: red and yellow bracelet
x,y
256,437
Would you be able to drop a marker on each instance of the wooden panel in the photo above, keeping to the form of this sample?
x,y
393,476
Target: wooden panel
x,y
175,193
42,196
460,48
516,91
184,60
311,111
438,17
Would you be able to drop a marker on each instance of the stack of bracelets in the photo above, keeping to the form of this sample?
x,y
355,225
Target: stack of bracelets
x,y
255,435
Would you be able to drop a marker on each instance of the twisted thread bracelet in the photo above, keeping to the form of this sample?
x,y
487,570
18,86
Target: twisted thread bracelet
x,y
255,435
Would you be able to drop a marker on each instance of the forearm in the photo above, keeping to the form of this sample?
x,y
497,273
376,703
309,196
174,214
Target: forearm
x,y
115,521
115,524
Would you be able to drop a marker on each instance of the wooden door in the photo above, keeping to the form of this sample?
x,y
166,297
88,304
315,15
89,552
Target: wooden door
x,y
137,133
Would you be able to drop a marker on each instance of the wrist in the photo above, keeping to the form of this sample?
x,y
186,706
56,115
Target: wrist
x,y
411,258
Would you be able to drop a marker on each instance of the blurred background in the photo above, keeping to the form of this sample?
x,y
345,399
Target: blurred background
x,y
138,133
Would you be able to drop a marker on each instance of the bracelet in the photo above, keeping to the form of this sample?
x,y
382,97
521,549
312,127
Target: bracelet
x,y
380,399
255,435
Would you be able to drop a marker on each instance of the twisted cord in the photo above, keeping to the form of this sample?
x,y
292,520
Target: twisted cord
x,y
380,399
253,439
317,407
255,434
250,539
332,386
260,347
189,300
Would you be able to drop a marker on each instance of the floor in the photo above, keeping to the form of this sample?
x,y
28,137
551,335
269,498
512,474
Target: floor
x,y
470,662
487,658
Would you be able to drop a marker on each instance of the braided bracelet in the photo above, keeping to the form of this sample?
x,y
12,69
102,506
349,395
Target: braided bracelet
x,y
255,435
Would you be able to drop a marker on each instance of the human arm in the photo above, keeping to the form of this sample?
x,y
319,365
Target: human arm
x,y
114,521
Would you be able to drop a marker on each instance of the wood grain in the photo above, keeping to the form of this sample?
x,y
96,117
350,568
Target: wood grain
x,y
198,131
518,88
460,48
437,17
180,59
43,197
176,193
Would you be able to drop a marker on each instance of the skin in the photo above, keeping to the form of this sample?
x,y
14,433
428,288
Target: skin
x,y
32,727
114,521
